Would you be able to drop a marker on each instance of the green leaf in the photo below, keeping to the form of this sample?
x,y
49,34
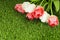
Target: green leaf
x,y
56,3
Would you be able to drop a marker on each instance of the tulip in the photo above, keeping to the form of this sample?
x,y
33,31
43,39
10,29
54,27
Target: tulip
x,y
44,17
53,20
38,12
18,7
30,16
28,7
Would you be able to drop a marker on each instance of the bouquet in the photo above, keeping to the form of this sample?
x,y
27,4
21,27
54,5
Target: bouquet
x,y
35,11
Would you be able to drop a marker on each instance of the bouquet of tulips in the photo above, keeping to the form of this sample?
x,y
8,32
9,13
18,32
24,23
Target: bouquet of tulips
x,y
37,12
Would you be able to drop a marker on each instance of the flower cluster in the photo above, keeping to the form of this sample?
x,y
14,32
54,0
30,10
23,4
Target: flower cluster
x,y
36,12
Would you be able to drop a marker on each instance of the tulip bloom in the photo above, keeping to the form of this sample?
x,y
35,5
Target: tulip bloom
x,y
30,16
18,7
53,21
44,17
28,7
38,12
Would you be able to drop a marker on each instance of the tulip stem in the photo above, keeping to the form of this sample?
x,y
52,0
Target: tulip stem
x,y
51,8
47,8
45,5
41,2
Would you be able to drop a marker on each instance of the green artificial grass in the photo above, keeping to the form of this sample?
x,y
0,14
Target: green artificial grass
x,y
15,26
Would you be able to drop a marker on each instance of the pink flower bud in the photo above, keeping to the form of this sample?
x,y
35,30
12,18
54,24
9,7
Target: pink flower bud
x,y
39,11
18,7
30,16
53,21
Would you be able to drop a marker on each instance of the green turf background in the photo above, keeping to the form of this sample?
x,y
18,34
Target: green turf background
x,y
15,26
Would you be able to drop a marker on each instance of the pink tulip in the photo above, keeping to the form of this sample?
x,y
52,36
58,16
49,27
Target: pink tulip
x,y
30,16
19,8
39,11
53,21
